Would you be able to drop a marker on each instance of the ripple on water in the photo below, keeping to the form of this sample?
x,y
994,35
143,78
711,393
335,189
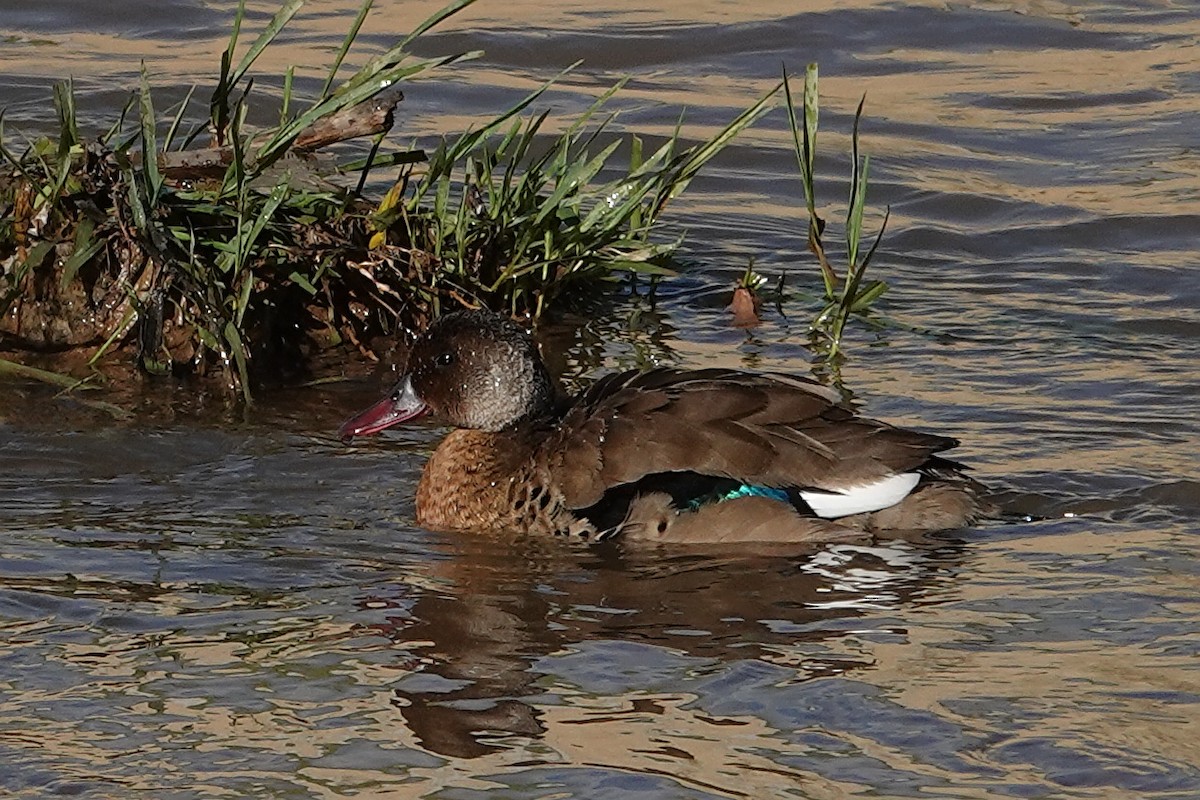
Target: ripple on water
x,y
192,606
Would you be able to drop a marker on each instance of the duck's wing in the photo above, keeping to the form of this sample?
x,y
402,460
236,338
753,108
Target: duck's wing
x,y
762,429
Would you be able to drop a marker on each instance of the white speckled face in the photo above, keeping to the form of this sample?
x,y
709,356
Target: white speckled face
x,y
479,370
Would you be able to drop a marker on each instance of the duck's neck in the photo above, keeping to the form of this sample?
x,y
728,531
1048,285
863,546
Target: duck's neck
x,y
468,482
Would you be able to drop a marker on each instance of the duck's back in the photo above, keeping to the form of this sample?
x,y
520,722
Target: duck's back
x,y
763,430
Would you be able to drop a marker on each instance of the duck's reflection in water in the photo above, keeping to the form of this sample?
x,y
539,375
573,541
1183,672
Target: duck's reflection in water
x,y
497,607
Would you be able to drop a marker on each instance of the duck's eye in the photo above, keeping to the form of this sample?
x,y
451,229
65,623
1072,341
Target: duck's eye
x,y
444,359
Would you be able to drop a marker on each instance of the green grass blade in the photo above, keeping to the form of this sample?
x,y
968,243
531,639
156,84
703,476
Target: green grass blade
x,y
282,17
433,20
153,179
442,163
869,294
351,35
279,143
9,157
692,161
804,138
86,246
811,114
119,125
235,31
285,107
303,282
887,214
242,301
858,196
385,160
600,101
33,373
121,328
576,177
169,139
374,73
68,128
237,349
801,143
218,104
854,214
248,240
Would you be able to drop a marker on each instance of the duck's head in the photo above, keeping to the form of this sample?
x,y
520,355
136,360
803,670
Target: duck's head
x,y
473,369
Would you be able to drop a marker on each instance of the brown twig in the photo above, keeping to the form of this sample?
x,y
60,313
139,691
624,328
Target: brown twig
x,y
369,118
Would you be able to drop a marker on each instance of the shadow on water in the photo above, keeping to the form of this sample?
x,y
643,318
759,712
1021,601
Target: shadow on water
x,y
507,604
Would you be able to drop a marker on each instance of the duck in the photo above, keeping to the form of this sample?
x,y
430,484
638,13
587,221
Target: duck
x,y
665,455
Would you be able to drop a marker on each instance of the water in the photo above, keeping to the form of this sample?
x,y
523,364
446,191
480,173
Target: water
x,y
195,606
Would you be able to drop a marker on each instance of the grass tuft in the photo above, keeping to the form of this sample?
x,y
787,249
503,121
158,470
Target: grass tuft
x,y
245,257
847,294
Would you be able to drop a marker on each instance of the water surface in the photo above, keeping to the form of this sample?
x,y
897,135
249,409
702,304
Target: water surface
x,y
197,604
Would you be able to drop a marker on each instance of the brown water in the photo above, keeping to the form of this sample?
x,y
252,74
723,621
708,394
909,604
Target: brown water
x,y
198,608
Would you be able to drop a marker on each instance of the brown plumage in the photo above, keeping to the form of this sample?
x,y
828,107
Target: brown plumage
x,y
663,455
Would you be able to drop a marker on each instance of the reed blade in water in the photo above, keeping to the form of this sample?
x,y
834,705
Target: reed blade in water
x,y
845,295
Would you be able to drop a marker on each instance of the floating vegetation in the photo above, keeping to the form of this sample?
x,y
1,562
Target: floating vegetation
x,y
244,257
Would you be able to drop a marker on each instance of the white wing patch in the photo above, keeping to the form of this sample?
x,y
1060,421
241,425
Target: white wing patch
x,y
861,499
